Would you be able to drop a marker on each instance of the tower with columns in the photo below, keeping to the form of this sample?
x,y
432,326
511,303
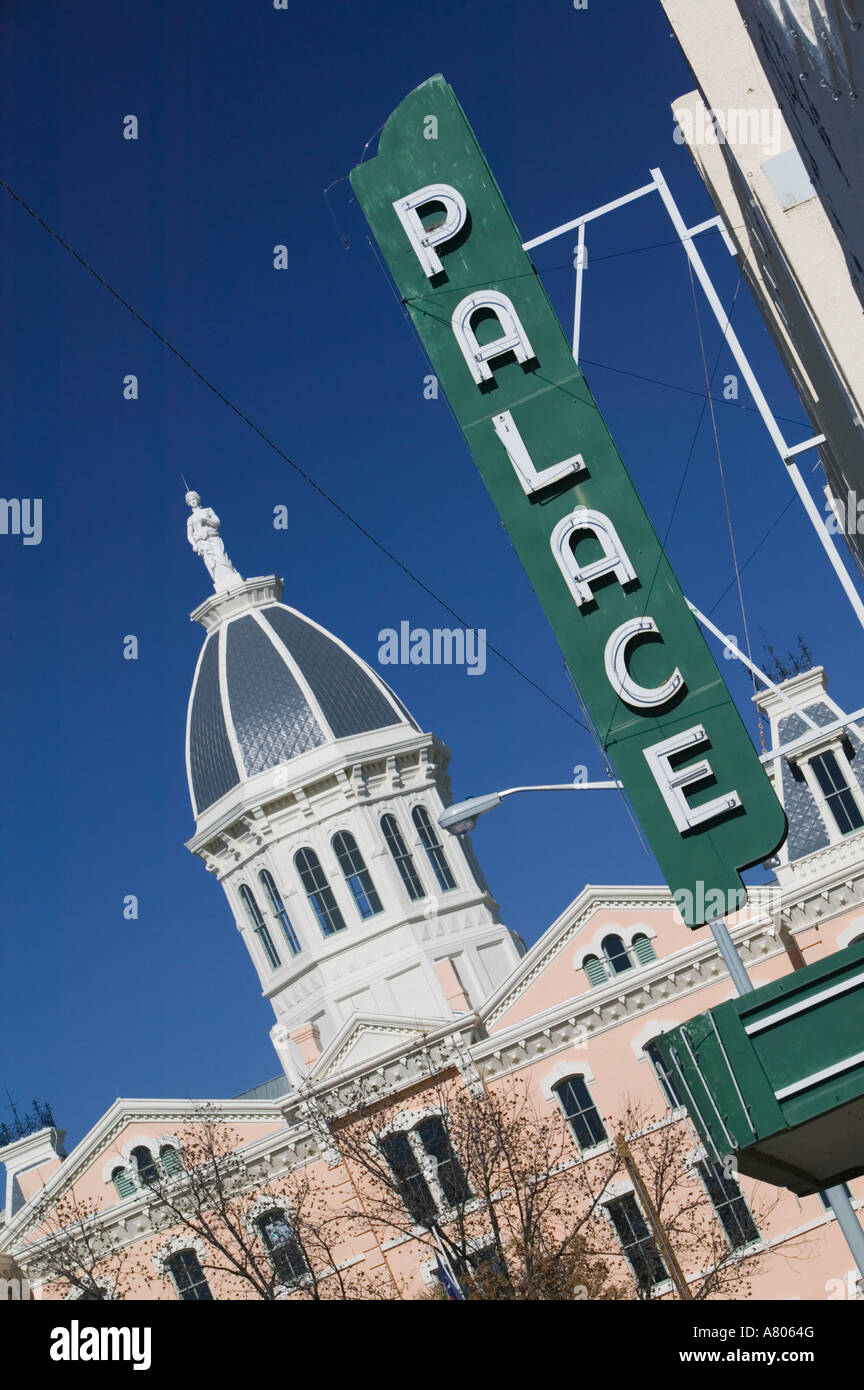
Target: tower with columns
x,y
316,797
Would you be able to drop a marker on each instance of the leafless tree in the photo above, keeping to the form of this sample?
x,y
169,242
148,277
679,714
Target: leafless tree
x,y
214,1198
498,1187
74,1253
713,1230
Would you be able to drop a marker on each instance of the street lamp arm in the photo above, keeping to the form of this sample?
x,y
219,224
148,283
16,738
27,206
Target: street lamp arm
x,y
565,787
462,817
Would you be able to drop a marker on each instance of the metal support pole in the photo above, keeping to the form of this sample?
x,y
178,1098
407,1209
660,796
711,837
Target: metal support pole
x,y
848,1222
729,951
836,1197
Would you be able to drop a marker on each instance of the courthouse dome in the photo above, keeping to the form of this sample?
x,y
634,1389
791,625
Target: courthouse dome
x,y
271,685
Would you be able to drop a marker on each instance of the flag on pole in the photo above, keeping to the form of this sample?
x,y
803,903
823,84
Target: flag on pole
x,y
449,1282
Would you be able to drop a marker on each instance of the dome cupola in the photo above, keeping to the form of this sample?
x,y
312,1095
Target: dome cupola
x,y
271,686
316,800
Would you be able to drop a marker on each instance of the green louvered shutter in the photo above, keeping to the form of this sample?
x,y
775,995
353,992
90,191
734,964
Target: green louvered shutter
x,y
643,950
595,970
170,1160
124,1182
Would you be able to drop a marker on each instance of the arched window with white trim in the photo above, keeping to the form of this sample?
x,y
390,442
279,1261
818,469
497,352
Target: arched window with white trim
x,y
595,969
188,1278
258,925
616,954
356,875
642,948
429,1176
277,907
281,1242
146,1166
319,892
169,1160
402,857
580,1112
434,851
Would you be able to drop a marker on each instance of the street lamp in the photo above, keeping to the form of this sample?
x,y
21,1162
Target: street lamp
x,y
462,818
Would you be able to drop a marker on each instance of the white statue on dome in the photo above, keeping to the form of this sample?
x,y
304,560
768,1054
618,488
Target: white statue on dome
x,y
202,531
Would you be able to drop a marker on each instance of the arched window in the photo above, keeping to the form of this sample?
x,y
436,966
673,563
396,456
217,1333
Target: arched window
x,y
274,897
580,1112
318,891
402,857
259,926
281,1243
432,845
145,1166
169,1159
642,949
188,1277
595,969
357,876
616,954
123,1182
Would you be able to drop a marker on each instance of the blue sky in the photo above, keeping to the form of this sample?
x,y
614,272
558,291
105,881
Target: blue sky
x,y
245,115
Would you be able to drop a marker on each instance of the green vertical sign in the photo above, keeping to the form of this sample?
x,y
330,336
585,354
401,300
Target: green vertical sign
x,y
643,668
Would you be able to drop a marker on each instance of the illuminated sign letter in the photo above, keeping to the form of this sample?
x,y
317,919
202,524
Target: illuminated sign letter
x,y
614,559
523,464
672,783
513,337
425,239
638,696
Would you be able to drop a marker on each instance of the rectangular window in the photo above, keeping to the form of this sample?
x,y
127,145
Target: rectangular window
x,y
413,1187
728,1202
637,1243
436,1142
835,789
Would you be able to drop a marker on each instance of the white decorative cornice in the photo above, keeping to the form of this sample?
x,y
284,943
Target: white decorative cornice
x,y
268,793
252,593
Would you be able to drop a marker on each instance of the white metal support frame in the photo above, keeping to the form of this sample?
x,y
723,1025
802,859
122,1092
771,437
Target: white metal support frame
x,y
579,263
751,666
788,453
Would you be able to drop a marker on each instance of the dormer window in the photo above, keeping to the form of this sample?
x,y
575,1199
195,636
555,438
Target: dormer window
x,y
145,1166
837,792
616,957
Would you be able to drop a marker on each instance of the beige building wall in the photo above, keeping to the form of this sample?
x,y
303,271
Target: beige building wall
x,y
787,247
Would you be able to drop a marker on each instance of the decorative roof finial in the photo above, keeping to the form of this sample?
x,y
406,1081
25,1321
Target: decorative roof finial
x,y
202,531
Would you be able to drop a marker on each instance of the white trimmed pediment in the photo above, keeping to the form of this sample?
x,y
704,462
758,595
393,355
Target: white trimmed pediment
x,y
365,1037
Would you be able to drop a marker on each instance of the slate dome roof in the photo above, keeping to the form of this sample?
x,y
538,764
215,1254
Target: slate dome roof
x,y
271,685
